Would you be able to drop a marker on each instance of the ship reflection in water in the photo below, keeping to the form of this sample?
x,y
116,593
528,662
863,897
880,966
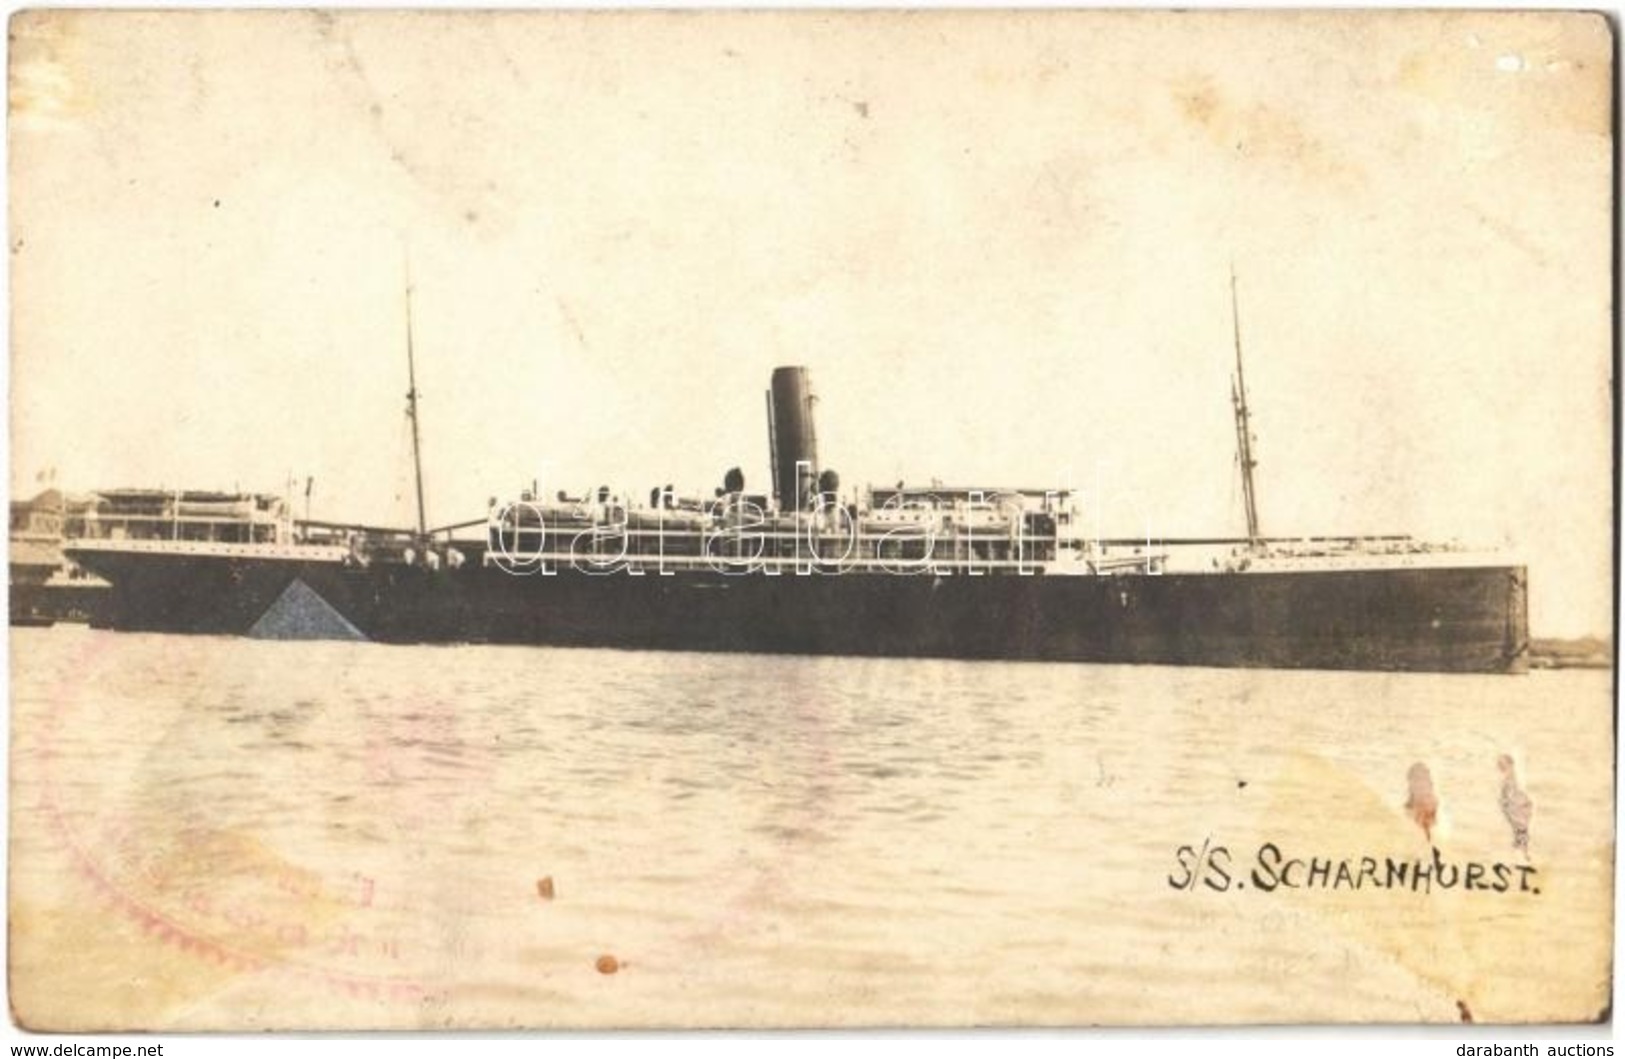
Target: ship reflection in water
x,y
332,835
940,571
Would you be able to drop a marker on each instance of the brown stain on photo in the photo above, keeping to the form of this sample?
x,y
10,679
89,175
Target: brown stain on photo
x,y
1422,803
1257,131
1516,805
1523,69
47,84
1448,944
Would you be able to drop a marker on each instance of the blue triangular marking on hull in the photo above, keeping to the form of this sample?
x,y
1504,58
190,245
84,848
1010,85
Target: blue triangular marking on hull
x,y
300,613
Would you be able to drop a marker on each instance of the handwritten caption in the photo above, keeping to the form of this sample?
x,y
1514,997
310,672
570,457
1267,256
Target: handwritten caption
x,y
1268,869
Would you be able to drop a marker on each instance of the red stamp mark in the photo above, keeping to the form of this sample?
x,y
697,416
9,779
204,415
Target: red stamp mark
x,y
223,896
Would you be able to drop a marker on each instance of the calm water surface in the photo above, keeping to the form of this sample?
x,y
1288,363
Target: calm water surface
x,y
224,833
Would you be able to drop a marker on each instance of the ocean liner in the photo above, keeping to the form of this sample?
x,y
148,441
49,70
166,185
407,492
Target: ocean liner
x,y
959,571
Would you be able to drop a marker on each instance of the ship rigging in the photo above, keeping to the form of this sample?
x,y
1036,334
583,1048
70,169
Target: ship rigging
x,y
1244,430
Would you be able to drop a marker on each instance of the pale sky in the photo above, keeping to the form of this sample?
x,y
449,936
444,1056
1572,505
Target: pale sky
x,y
1000,242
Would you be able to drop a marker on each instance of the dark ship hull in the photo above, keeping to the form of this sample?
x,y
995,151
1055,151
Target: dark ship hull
x,y
1441,619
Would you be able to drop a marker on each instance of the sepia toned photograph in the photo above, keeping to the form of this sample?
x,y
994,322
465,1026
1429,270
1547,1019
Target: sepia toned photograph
x,y
617,520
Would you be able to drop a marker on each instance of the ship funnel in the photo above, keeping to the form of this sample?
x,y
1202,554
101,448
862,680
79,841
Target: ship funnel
x,y
791,437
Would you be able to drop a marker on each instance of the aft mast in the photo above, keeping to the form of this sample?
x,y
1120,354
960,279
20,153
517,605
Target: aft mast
x,y
412,414
1244,430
